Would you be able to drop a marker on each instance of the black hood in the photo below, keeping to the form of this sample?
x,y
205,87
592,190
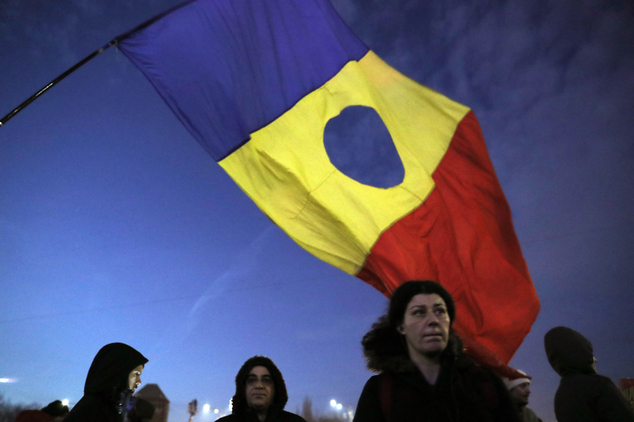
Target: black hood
x,y
569,352
239,400
110,368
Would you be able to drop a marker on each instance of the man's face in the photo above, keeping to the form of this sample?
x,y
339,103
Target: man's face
x,y
521,392
260,388
134,379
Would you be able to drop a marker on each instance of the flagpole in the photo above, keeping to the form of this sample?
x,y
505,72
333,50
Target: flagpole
x,y
54,82
115,41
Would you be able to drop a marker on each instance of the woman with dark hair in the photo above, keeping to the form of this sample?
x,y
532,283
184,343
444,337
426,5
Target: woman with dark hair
x,y
424,375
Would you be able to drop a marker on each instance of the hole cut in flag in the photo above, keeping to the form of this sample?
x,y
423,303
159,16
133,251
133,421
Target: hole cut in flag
x,y
359,144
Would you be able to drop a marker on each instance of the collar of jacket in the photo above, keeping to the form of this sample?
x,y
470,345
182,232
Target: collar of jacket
x,y
401,363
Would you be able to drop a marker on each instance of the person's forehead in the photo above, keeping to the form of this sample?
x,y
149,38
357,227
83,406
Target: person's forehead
x,y
259,371
422,299
138,369
523,385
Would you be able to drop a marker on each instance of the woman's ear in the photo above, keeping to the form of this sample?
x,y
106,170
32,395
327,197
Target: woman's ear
x,y
400,329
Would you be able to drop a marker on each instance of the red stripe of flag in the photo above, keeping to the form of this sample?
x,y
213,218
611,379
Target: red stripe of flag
x,y
463,237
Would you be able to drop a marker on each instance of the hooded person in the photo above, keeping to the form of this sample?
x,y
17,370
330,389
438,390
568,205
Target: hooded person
x,y
583,395
56,410
113,376
423,373
260,394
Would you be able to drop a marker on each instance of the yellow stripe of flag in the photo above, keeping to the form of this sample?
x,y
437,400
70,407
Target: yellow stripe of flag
x,y
286,171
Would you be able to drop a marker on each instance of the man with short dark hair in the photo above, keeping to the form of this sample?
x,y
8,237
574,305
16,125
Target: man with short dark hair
x,y
519,389
260,394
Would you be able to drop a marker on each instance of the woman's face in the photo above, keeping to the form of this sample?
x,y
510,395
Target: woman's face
x,y
426,325
134,378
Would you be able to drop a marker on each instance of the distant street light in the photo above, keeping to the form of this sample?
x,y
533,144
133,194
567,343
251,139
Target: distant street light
x,y
206,408
65,402
347,414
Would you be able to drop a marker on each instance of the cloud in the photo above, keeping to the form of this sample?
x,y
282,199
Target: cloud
x,y
239,270
340,329
500,56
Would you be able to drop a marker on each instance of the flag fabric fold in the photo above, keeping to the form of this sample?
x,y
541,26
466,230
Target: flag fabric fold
x,y
256,83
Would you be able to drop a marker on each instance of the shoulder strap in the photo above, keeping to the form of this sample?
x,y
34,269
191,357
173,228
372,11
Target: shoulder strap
x,y
386,395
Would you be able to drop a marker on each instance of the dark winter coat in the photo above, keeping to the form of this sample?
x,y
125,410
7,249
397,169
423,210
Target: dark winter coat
x,y
241,412
272,416
463,391
527,415
106,392
583,395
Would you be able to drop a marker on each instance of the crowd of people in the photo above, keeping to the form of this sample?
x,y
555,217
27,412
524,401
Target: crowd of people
x,y
55,411
423,375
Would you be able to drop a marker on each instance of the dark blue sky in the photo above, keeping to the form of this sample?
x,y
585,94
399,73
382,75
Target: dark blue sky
x,y
116,226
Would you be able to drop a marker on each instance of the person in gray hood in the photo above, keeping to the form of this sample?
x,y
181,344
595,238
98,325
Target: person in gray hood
x,y
583,395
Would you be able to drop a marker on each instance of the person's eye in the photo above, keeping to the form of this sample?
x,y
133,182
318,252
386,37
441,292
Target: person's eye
x,y
441,311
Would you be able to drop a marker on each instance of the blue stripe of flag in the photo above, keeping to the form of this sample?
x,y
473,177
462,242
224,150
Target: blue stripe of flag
x,y
230,67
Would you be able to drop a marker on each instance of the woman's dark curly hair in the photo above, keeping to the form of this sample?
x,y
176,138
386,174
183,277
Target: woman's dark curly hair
x,y
383,340
239,401
406,291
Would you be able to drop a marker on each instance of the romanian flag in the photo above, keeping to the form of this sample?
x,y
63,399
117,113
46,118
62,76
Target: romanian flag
x,y
256,82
